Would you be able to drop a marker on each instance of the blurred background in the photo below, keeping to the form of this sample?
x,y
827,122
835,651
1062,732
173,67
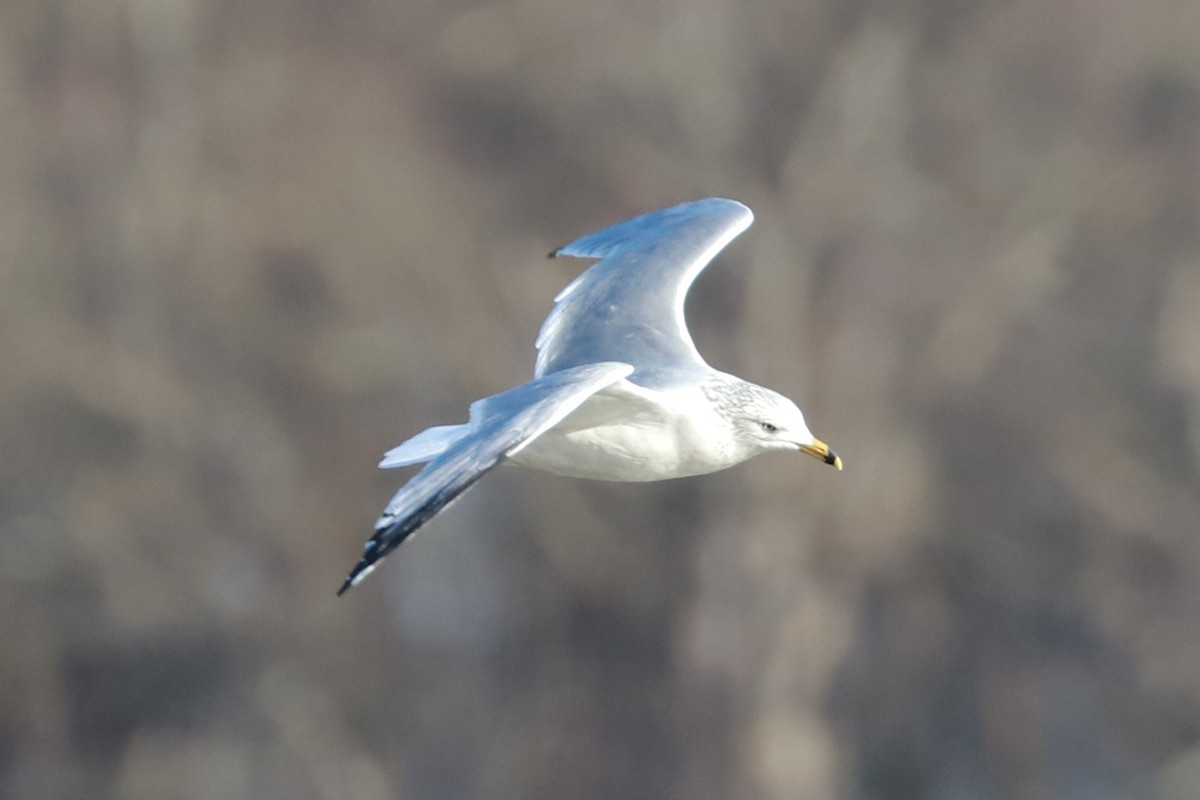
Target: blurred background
x,y
246,246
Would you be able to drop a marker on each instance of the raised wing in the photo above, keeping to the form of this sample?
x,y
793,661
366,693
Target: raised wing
x,y
628,306
501,426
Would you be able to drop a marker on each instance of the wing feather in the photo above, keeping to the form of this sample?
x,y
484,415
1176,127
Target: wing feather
x,y
501,425
628,306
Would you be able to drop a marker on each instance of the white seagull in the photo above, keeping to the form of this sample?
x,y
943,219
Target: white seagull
x,y
619,391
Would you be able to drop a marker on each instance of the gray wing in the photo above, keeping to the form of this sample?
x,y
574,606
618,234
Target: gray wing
x,y
628,306
506,423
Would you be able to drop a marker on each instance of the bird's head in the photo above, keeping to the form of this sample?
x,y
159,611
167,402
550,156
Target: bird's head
x,y
766,420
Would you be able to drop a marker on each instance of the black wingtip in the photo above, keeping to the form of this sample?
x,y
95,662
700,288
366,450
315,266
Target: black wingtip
x,y
366,565
371,556
554,253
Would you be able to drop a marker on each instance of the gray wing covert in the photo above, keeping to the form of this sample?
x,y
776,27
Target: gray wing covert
x,y
628,306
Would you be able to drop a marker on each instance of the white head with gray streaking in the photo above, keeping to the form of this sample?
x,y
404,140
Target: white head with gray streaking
x,y
619,393
763,420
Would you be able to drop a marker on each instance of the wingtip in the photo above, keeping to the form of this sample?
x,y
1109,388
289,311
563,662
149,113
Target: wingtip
x,y
554,253
362,569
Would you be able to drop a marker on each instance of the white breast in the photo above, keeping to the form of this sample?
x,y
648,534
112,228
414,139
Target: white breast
x,y
629,433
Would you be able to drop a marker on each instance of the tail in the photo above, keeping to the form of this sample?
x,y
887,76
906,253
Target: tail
x,y
426,445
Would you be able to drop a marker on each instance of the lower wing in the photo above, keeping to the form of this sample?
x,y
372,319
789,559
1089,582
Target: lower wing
x,y
507,422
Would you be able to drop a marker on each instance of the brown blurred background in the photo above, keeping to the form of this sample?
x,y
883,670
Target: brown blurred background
x,y
248,245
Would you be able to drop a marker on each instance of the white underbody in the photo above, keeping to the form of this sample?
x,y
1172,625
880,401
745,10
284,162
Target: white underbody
x,y
629,433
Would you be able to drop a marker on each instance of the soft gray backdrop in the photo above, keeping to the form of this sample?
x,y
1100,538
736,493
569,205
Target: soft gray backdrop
x,y
247,245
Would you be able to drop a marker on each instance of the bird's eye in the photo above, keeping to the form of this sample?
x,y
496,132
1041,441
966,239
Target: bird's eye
x,y
768,427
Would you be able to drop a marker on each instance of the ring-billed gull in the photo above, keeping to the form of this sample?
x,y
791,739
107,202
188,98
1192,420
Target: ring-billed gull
x,y
619,391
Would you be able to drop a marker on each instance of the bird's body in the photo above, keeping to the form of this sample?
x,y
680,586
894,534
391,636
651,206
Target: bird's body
x,y
629,432
619,393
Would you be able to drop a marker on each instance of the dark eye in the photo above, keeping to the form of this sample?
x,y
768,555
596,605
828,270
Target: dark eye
x,y
768,427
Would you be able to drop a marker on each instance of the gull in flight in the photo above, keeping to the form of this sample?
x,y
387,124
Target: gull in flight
x,y
619,391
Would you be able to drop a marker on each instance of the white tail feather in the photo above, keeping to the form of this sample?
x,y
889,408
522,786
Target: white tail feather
x,y
426,445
